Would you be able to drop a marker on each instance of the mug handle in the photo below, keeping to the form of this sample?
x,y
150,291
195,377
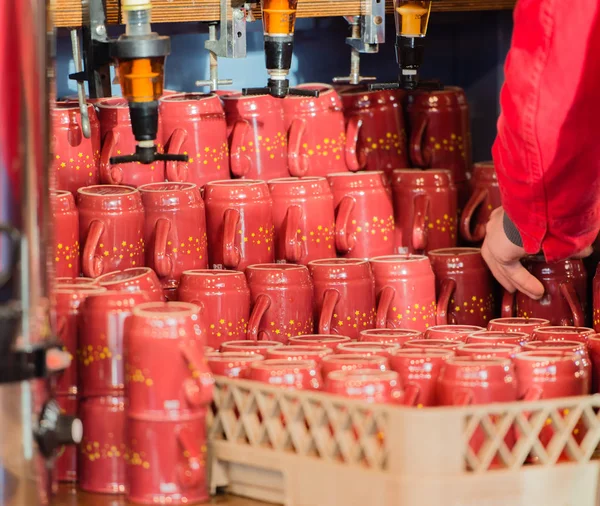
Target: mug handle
x,y
297,162
474,202
330,299
508,304
419,229
567,290
355,158
231,254
176,172
534,393
462,398
420,156
446,290
386,297
163,263
91,263
344,241
411,394
263,302
190,475
74,134
240,162
110,174
14,238
293,239
199,389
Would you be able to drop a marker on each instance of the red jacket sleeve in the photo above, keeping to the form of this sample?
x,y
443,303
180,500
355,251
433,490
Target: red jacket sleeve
x,y
547,152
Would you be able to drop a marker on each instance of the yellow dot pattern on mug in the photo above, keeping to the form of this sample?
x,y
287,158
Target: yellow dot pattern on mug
x,y
124,250
452,145
92,354
67,253
271,147
328,147
358,319
290,328
138,376
93,450
263,235
81,163
415,315
391,141
215,157
322,235
444,224
189,246
134,458
596,316
224,329
378,226
482,307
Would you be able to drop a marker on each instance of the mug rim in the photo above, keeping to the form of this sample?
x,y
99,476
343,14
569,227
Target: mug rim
x,y
273,363
366,374
119,103
446,252
351,357
200,95
59,193
356,174
368,346
131,190
390,332
557,329
143,272
164,309
222,356
445,352
275,266
211,272
250,343
458,360
408,257
550,356
458,329
423,171
86,288
334,262
323,338
518,320
185,187
487,346
236,182
555,345
290,180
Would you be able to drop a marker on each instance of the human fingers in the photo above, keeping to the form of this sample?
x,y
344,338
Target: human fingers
x,y
584,253
523,280
496,268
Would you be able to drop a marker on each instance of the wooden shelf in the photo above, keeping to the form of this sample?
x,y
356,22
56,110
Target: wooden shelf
x,y
68,12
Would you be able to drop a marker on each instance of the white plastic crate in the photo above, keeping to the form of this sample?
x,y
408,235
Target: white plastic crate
x,y
302,448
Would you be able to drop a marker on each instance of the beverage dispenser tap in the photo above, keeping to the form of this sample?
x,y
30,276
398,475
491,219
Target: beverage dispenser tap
x,y
140,55
279,19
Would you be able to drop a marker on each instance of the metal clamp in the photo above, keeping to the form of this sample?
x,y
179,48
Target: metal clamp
x,y
214,82
83,107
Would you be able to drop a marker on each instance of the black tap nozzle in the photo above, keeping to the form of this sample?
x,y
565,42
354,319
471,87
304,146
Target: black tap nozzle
x,y
280,88
147,155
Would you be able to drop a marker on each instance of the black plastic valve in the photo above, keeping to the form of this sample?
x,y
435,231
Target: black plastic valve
x,y
56,429
147,155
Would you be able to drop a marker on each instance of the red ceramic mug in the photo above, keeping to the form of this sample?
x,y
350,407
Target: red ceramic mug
x,y
65,465
194,124
136,279
364,218
167,460
175,230
483,351
526,325
68,281
117,140
257,136
451,332
382,136
405,288
289,374
389,336
420,370
565,293
68,304
239,221
75,159
566,347
65,221
485,197
102,450
304,219
319,142
231,364
100,346
367,348
351,361
344,296
425,210
160,333
498,337
320,340
249,347
427,344
465,286
111,227
593,345
299,352
224,299
282,300
566,333
368,385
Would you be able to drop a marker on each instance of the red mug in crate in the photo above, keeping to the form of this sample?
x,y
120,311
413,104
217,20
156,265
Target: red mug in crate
x,y
425,210
161,336
68,305
567,347
282,300
166,460
451,332
65,465
485,197
111,228
231,364
100,348
175,230
465,286
565,293
134,280
351,361
479,351
239,221
118,140
344,296
102,450
566,333
299,352
319,141
497,337
593,346
419,370
65,221
224,301
249,347
364,214
369,385
289,374
389,336
194,124
427,344
257,136
405,288
304,219
367,348
75,159
321,340
509,324
382,136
